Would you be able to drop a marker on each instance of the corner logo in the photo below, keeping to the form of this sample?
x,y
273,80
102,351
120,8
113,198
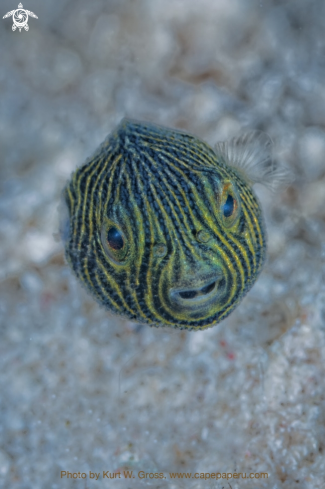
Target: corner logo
x,y
20,18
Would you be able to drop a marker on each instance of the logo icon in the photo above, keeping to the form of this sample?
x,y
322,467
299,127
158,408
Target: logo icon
x,y
20,18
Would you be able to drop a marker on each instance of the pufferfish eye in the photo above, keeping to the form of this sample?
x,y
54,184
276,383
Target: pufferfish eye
x,y
114,243
230,205
115,239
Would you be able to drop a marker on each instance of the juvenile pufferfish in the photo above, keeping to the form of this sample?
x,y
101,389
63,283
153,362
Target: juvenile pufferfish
x,y
164,230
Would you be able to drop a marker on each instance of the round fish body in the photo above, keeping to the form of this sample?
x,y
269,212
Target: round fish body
x,y
162,229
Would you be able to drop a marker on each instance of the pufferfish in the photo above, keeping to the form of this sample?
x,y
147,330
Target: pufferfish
x,y
164,230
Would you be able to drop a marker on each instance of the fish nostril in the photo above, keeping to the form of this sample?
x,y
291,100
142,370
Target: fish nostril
x,y
188,294
207,288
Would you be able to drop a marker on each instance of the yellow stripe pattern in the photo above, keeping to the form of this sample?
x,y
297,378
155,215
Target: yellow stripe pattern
x,y
162,189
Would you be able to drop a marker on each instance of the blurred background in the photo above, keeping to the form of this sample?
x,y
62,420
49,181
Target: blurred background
x,y
84,391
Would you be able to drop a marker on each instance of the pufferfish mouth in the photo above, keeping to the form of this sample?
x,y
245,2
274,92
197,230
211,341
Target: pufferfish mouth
x,y
206,292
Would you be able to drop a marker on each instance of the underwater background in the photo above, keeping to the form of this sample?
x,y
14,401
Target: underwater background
x,y
81,390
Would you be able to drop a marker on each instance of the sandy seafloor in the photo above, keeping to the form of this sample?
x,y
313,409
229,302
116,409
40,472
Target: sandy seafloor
x,y
84,391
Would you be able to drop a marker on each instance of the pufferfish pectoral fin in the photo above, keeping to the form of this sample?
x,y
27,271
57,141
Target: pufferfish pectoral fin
x,y
251,154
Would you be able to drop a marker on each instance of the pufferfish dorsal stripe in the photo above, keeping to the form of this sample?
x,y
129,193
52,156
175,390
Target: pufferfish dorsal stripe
x,y
162,229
